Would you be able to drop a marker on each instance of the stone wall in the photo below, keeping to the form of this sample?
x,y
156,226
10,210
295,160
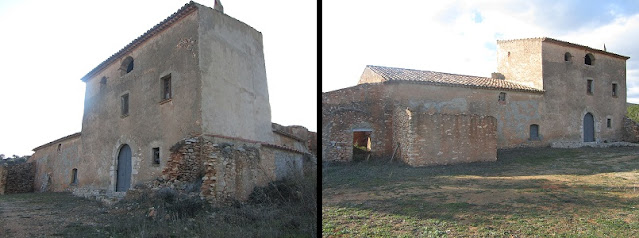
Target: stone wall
x,y
225,169
18,178
631,130
439,139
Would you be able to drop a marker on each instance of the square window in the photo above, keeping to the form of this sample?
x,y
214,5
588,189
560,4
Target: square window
x,y
124,105
614,89
156,155
589,87
502,97
166,87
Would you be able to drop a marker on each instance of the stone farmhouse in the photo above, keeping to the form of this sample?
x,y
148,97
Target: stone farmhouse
x,y
184,104
546,92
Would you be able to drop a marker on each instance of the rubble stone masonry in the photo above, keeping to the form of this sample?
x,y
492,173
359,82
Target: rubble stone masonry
x,y
17,178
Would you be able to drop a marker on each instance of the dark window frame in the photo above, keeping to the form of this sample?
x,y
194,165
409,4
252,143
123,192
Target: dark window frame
x,y
155,156
167,89
608,122
501,97
534,136
74,176
124,105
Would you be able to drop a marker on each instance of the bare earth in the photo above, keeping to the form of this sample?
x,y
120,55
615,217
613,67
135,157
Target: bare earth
x,y
45,214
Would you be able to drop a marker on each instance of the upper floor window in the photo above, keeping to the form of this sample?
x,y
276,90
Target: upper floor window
x,y
567,57
166,87
614,89
589,87
502,97
156,155
589,59
126,66
124,105
103,82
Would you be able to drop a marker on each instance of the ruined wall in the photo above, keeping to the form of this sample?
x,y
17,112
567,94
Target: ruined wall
x,y
17,178
631,130
566,98
439,139
227,169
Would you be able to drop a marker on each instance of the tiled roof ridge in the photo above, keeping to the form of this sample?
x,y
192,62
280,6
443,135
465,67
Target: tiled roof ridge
x,y
58,140
388,79
179,14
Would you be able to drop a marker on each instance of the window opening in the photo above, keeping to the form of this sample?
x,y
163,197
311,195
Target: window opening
x,y
614,89
361,145
74,176
156,155
125,104
59,147
502,97
126,66
609,123
166,87
567,57
589,59
534,132
589,86
103,82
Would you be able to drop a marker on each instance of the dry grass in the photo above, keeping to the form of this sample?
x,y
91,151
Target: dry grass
x,y
527,192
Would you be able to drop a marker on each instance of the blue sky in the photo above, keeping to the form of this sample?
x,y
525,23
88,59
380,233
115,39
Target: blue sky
x,y
460,36
47,46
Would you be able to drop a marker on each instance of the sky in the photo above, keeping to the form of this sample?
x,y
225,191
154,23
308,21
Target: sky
x,y
457,36
47,46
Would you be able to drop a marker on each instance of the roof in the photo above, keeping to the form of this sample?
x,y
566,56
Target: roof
x,y
74,135
181,13
391,74
565,43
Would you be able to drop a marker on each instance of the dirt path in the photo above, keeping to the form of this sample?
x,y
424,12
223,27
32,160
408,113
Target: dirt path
x,y
44,214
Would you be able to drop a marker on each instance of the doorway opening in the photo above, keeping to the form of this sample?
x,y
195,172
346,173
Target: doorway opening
x,y
361,145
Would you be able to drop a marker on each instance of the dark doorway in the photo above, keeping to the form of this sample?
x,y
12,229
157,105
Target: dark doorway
x,y
361,145
123,182
589,128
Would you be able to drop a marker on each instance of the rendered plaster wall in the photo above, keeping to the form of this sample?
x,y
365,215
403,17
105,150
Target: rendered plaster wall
x,y
566,97
520,61
234,90
151,121
440,139
53,167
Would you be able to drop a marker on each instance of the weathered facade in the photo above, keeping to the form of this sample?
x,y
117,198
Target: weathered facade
x,y
546,91
197,74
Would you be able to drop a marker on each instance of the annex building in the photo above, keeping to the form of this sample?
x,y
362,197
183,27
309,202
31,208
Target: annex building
x,y
185,104
546,92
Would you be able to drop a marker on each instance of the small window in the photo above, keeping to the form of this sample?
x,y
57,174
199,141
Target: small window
x,y
166,87
609,123
103,82
567,57
589,88
589,59
126,66
74,176
534,132
614,89
59,147
125,105
156,155
502,97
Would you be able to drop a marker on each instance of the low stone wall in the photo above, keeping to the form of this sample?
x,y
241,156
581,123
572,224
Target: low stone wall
x,y
223,170
18,178
630,130
573,144
440,139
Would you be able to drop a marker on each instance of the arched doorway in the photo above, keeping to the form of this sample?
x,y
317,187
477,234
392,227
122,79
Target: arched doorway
x,y
589,128
123,182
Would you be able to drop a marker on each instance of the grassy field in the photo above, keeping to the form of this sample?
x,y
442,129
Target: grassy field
x,y
527,193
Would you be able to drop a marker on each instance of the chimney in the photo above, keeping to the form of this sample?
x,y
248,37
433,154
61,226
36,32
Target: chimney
x,y
218,6
497,76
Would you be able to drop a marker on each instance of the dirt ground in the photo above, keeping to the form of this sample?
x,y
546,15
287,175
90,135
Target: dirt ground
x,y
45,214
